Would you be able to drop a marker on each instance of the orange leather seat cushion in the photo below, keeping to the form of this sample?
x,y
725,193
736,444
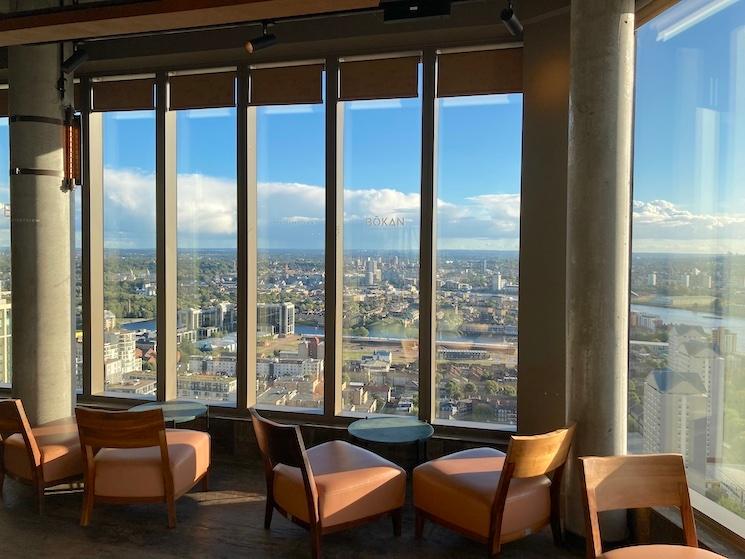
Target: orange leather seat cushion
x,y
59,445
660,552
136,472
353,483
460,489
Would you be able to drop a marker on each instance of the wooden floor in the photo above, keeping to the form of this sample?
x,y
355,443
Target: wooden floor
x,y
226,522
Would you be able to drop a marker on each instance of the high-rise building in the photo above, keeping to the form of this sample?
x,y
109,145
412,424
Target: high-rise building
x,y
675,404
276,318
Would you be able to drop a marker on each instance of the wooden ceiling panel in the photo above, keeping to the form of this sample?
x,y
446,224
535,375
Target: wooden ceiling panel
x,y
157,15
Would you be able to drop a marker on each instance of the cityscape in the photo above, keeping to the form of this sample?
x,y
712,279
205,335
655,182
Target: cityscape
x,y
687,330
477,304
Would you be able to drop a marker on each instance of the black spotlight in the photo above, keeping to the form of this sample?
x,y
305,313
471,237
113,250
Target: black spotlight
x,y
510,21
263,41
75,61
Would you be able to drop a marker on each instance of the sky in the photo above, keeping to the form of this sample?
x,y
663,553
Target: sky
x,y
689,159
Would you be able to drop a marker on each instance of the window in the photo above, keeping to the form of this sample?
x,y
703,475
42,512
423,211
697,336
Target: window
x,y
6,360
478,211
687,352
290,262
271,240
382,183
129,253
207,272
77,301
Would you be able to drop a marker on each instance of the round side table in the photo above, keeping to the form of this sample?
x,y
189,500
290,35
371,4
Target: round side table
x,y
177,411
394,430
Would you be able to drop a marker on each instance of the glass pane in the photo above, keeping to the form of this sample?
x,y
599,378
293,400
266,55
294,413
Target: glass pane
x,y
129,254
290,238
207,241
77,302
6,361
382,181
687,354
478,220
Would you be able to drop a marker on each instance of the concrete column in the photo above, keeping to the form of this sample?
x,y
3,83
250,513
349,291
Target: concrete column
x,y
40,238
541,382
598,233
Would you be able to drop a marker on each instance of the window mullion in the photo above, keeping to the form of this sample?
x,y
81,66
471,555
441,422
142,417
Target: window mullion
x,y
334,242
427,264
92,245
166,241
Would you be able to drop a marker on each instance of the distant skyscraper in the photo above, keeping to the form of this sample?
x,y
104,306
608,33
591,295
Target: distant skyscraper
x,y
652,279
278,318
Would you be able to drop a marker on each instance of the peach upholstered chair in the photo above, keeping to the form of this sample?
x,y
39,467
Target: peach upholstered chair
x,y
630,482
130,457
493,498
327,488
42,456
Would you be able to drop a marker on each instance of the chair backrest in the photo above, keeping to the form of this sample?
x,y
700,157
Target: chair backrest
x,y
13,420
283,444
120,429
279,444
631,482
527,457
537,455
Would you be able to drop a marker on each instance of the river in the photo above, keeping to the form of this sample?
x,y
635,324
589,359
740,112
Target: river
x,y
705,319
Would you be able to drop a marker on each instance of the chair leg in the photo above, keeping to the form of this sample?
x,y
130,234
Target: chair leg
x,y
269,511
206,482
171,503
40,496
396,516
2,483
557,531
315,542
419,524
88,500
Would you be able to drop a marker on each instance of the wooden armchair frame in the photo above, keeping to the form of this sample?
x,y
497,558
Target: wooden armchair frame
x,y
283,444
632,482
527,457
125,430
13,420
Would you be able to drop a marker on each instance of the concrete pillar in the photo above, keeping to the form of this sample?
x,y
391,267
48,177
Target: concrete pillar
x,y
541,382
598,233
40,238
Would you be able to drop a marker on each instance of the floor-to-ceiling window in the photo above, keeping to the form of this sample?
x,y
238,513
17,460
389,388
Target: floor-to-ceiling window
x,y
290,237
687,322
381,179
207,273
6,360
129,263
479,132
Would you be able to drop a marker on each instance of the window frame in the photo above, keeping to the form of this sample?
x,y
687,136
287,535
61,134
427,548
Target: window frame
x,y
92,200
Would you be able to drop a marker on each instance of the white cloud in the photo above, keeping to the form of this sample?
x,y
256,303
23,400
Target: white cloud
x,y
293,214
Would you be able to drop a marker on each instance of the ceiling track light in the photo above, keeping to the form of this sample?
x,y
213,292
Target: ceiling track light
x,y
510,21
263,41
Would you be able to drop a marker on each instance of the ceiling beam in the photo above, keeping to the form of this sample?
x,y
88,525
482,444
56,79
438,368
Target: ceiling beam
x,y
86,22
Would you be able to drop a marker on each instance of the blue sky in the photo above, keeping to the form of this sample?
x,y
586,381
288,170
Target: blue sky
x,y
689,166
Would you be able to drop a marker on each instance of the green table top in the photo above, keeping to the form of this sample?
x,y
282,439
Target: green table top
x,y
393,430
176,411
